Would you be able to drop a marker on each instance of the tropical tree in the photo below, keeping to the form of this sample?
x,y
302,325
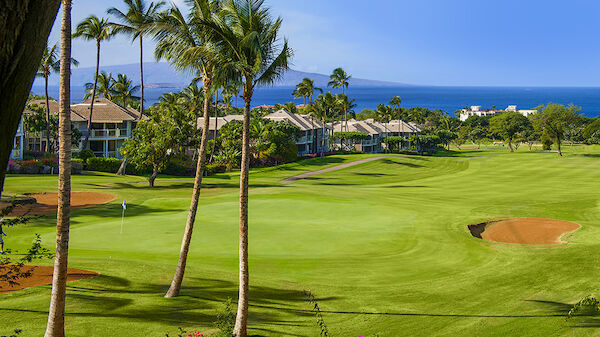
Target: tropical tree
x,y
50,64
250,37
105,86
508,125
554,120
384,115
340,79
157,140
395,102
188,44
56,313
136,21
93,29
124,90
306,90
323,109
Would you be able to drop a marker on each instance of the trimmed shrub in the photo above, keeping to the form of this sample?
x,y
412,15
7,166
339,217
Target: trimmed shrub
x,y
76,166
215,168
30,166
85,154
100,164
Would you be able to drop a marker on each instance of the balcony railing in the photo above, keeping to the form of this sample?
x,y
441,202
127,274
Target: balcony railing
x,y
108,133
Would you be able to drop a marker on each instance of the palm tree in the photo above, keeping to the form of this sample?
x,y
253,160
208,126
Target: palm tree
x,y
56,313
105,86
135,22
306,89
93,28
339,79
250,36
49,64
395,102
123,91
188,45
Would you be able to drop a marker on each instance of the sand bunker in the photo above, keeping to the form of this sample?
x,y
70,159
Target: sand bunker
x,y
48,202
529,231
42,275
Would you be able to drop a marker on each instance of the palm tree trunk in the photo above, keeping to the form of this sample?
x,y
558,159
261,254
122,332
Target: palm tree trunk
x,y
189,225
56,314
89,123
141,77
47,114
212,151
323,138
558,146
123,167
241,320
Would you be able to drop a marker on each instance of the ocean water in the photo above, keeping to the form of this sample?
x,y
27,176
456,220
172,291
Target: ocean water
x,y
448,99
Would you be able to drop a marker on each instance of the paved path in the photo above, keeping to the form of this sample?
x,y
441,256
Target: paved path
x,y
329,169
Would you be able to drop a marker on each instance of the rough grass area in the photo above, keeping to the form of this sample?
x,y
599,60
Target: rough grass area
x,y
383,245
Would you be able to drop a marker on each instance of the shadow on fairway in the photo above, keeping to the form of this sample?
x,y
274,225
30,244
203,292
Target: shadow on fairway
x,y
161,186
114,297
393,162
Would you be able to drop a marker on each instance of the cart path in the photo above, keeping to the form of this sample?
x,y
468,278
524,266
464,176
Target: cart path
x,y
333,168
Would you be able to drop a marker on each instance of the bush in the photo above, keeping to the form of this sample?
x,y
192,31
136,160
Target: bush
x,y
99,164
215,168
588,306
85,154
76,166
30,166
225,320
180,168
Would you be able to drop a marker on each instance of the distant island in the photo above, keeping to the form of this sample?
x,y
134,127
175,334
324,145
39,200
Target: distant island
x,y
162,75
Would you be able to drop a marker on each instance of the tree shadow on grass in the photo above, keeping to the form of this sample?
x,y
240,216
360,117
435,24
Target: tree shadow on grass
x,y
393,162
113,297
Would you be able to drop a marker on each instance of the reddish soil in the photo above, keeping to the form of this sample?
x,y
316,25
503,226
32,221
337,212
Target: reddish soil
x,y
48,202
42,275
530,231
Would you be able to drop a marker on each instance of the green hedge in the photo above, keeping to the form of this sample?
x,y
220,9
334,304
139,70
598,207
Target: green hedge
x,y
110,165
215,168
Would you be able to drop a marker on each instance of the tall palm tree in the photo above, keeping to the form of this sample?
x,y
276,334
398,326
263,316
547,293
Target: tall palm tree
x,y
93,28
56,313
395,102
340,79
49,64
250,36
123,91
105,86
136,21
187,43
306,89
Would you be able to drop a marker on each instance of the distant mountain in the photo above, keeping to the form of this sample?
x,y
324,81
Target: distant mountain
x,y
162,75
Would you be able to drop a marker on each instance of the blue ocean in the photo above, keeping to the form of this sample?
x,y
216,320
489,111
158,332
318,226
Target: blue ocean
x,y
448,99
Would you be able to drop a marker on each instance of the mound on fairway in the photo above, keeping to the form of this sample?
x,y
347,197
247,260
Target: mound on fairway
x,y
48,202
529,231
42,275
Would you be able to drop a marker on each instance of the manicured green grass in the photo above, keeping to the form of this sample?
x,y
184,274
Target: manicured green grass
x,y
382,245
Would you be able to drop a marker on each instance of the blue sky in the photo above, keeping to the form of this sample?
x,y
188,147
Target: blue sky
x,y
425,42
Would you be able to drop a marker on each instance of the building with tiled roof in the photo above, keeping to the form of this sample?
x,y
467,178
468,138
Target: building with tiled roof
x,y
112,124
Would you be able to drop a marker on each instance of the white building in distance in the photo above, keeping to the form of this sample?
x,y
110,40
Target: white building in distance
x,y
476,110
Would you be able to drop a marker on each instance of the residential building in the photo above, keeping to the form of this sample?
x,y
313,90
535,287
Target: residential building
x,y
312,130
111,126
376,132
17,150
476,110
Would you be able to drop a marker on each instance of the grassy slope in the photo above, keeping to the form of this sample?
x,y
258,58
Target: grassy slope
x,y
383,245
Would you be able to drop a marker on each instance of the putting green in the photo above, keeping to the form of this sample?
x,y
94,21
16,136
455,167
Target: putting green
x,y
382,245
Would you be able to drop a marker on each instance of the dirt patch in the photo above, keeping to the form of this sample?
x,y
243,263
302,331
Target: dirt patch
x,y
42,275
528,231
46,203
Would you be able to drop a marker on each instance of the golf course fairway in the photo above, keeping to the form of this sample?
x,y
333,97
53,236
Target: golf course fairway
x,y
383,246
